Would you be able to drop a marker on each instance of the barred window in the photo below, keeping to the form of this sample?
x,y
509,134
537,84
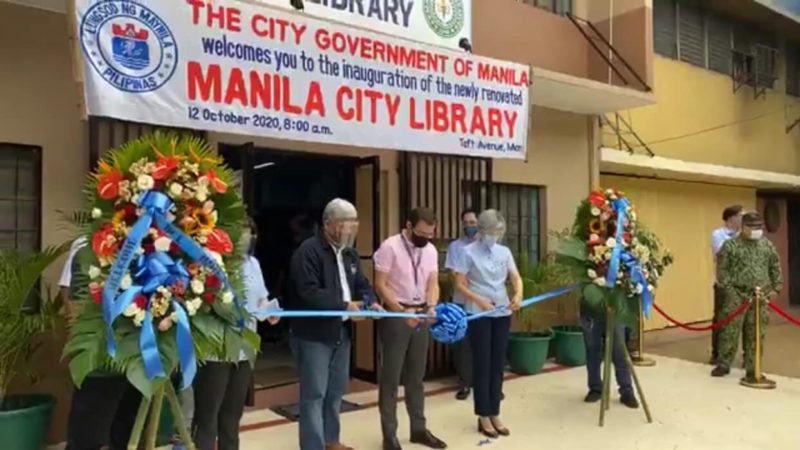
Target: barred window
x,y
20,197
691,35
556,6
719,44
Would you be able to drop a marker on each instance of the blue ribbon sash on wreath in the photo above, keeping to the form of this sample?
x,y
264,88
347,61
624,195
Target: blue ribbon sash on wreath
x,y
151,272
624,257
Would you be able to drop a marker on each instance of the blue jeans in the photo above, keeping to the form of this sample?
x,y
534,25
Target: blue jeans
x,y
593,332
324,370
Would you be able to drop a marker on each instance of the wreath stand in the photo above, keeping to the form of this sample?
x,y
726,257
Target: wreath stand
x,y
605,402
150,413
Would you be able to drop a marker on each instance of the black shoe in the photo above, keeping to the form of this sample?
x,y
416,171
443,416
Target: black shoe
x,y
463,393
629,400
502,396
593,397
391,444
720,371
427,439
751,378
489,434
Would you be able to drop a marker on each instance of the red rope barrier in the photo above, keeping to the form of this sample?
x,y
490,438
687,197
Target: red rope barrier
x,y
783,314
742,308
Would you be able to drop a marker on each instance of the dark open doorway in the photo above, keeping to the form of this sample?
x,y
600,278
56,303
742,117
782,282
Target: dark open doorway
x,y
285,193
792,283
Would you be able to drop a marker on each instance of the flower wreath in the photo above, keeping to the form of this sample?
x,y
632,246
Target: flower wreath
x,y
159,275
617,260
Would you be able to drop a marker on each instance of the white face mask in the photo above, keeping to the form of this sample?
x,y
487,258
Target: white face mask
x,y
756,234
489,240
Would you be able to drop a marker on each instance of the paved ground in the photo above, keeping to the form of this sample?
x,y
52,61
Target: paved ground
x,y
692,412
781,348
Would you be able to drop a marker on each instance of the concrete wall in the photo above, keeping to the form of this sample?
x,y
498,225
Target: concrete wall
x,y
39,106
699,118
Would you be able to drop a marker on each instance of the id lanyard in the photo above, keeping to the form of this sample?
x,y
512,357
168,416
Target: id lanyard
x,y
415,267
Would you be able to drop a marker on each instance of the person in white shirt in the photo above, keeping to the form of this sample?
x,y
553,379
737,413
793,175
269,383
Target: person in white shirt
x,y
732,218
461,350
220,388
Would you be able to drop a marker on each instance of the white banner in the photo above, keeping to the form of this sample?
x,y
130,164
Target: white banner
x,y
437,22
240,68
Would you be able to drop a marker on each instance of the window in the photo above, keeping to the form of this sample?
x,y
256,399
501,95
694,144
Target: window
x,y
665,28
556,6
691,36
519,205
683,30
793,70
20,197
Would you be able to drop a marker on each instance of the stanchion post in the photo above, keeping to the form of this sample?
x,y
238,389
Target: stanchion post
x,y
758,381
641,360
605,397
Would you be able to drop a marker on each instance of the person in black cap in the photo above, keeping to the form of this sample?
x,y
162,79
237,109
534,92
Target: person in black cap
x,y
745,263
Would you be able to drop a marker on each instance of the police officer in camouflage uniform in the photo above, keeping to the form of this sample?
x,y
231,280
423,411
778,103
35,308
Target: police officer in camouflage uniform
x,y
743,264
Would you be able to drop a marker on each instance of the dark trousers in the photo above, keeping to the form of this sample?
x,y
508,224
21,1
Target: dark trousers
x,y
593,332
715,333
102,413
324,370
403,355
462,359
220,390
489,340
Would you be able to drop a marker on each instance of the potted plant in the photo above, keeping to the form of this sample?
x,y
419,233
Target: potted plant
x,y
529,345
569,348
26,311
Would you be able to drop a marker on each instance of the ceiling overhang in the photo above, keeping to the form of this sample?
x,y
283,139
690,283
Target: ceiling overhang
x,y
563,92
620,162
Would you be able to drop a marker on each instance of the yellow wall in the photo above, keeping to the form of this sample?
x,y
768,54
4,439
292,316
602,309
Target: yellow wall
x,y
683,215
691,99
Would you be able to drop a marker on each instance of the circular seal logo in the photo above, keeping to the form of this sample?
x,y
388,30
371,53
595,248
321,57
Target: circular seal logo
x,y
444,17
128,45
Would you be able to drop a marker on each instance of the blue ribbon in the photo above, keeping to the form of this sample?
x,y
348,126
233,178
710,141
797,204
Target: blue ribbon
x,y
451,321
150,272
618,255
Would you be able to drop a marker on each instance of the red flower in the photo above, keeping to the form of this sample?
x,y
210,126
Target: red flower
x,y
174,249
141,301
164,166
212,282
178,289
149,247
96,292
209,297
219,241
218,185
129,210
108,185
597,199
193,268
626,237
103,242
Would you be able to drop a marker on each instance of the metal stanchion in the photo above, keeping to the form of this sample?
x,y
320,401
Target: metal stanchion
x,y
758,381
641,360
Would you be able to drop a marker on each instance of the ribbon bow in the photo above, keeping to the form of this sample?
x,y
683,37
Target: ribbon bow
x,y
151,272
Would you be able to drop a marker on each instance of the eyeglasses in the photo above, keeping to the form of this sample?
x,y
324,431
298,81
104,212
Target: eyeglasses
x,y
425,235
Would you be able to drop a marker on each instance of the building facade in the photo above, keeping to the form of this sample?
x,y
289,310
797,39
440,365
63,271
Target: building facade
x,y
586,59
724,131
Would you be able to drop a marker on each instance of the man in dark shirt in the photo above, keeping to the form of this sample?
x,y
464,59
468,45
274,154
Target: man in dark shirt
x,y
103,409
325,274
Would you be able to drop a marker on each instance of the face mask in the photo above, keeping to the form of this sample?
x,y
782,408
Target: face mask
x,y
418,241
756,234
470,231
489,240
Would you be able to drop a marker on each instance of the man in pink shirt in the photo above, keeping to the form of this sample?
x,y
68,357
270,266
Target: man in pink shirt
x,y
407,280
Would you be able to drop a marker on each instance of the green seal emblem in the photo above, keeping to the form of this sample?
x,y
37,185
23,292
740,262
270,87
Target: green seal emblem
x,y
444,17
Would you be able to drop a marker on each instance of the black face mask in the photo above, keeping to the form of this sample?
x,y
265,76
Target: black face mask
x,y
418,241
